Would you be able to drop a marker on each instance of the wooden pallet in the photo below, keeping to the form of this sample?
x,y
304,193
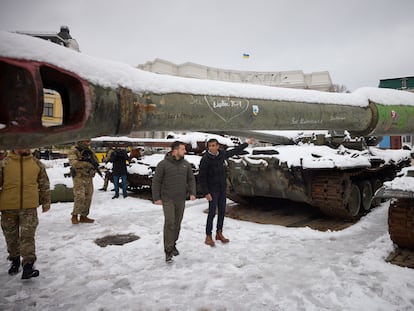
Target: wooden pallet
x,y
288,214
402,257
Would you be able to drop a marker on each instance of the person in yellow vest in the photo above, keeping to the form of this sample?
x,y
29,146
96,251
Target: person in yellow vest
x,y
24,185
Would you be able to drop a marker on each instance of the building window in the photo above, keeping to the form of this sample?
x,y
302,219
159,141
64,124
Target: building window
x,y
407,139
403,83
48,110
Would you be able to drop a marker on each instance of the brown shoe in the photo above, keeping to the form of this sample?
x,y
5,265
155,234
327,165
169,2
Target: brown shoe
x,y
74,219
220,236
209,240
86,219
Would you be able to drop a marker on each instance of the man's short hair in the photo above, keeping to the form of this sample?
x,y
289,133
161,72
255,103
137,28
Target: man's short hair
x,y
176,145
212,140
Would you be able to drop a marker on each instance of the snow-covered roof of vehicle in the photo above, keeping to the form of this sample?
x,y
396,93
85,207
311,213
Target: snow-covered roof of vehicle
x,y
404,181
190,138
310,156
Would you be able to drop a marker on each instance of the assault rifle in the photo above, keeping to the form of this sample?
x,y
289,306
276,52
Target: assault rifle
x,y
87,155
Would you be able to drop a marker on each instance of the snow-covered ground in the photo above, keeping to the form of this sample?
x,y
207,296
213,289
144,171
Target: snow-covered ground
x,y
264,267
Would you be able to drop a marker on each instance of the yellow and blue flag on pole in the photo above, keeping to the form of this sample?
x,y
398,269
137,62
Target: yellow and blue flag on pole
x,y
246,55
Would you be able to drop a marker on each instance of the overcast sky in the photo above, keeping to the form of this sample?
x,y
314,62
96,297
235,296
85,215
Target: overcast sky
x,y
358,41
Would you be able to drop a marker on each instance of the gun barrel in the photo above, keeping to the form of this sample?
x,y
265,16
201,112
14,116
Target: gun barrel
x,y
92,107
90,110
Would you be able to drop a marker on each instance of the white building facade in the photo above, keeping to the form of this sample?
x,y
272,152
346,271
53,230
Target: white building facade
x,y
320,81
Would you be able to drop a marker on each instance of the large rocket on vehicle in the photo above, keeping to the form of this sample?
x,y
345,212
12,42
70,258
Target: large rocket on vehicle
x,y
106,98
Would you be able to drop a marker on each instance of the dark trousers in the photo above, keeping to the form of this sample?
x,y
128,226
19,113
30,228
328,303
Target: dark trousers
x,y
124,184
219,202
173,215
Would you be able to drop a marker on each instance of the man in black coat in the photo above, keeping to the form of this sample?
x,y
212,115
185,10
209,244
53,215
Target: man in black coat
x,y
213,184
119,170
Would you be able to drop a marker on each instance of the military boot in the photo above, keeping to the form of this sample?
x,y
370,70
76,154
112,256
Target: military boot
x,y
209,240
86,219
29,272
175,251
14,265
168,256
75,219
220,236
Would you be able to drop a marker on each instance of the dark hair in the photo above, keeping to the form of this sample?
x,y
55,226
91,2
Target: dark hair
x,y
212,140
176,145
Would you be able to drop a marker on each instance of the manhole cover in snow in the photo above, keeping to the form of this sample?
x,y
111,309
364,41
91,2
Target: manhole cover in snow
x,y
117,239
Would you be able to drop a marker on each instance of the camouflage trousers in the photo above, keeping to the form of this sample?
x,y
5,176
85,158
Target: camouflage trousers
x,y
173,215
19,227
82,195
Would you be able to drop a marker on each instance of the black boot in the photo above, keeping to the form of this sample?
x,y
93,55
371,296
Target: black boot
x,y
168,257
14,266
29,272
175,251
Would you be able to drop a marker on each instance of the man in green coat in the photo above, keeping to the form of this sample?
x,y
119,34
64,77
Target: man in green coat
x,y
173,177
24,185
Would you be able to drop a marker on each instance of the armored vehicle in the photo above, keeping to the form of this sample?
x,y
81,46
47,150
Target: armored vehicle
x,y
332,172
401,212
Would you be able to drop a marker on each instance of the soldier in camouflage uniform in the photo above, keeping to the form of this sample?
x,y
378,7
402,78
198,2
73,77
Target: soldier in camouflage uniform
x,y
24,185
82,160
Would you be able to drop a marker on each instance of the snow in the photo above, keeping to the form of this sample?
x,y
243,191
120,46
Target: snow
x,y
113,74
56,169
144,164
264,267
310,156
141,169
127,139
152,160
189,138
193,137
404,182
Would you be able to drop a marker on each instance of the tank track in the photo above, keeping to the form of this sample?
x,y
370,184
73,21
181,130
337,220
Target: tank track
x,y
329,193
401,222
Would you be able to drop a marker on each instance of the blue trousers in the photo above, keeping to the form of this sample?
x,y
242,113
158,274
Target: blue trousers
x,y
124,184
218,202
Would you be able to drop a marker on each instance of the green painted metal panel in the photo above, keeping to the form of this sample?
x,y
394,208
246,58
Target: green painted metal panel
x,y
394,120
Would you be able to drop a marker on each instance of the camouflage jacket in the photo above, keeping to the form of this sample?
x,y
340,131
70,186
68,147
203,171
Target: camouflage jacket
x,y
23,182
81,166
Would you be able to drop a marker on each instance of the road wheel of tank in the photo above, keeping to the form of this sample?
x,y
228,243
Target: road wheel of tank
x,y
366,194
400,222
376,184
353,203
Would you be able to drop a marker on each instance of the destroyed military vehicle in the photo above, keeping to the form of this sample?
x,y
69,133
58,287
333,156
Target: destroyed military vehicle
x,y
334,173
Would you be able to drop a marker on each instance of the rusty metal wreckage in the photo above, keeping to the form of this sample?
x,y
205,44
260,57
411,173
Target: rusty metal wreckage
x,y
91,109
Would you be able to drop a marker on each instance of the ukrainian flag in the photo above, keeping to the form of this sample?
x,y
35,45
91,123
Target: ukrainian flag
x,y
246,55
